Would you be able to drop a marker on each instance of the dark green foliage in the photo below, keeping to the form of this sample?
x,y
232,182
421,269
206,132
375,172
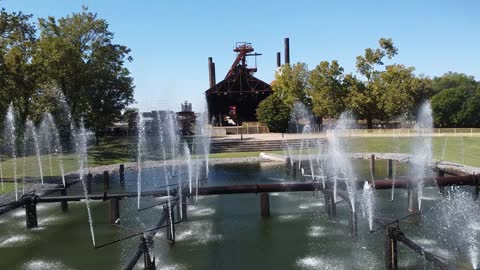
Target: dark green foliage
x,y
273,112
457,107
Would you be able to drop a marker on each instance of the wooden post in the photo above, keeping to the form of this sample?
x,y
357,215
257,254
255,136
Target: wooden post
x,y
64,204
114,210
106,181
30,211
372,164
390,168
89,183
265,204
391,259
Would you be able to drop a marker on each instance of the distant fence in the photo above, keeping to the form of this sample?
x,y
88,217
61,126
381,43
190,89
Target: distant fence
x,y
413,132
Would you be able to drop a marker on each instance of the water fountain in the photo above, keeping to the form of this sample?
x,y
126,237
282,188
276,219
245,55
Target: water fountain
x,y
81,149
9,133
31,134
177,167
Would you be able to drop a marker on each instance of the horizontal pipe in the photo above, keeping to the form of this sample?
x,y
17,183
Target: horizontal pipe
x,y
436,260
276,187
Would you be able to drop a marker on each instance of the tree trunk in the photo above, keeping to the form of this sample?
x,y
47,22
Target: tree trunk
x,y
97,138
369,122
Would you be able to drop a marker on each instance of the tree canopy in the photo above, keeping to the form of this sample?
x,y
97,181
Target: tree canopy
x,y
75,55
457,102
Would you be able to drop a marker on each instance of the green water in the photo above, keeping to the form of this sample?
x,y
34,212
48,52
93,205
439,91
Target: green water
x,y
222,232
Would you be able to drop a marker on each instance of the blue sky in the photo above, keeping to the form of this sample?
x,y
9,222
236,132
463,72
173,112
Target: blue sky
x,y
171,40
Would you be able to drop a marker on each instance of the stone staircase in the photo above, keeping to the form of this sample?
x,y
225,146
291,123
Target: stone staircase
x,y
237,145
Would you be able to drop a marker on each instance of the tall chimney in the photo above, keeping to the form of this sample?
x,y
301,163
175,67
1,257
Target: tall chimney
x,y
279,61
211,72
287,51
214,77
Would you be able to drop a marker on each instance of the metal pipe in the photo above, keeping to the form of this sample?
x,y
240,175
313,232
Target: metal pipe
x,y
436,260
271,187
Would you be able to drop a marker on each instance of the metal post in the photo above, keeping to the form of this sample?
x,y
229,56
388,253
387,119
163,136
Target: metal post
x,y
391,259
148,258
64,204
106,181
353,224
122,174
30,211
114,210
328,207
170,225
288,163
184,208
372,164
265,204
294,170
390,168
89,183
413,199
333,205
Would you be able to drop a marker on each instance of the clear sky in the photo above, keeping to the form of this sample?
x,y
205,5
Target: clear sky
x,y
171,40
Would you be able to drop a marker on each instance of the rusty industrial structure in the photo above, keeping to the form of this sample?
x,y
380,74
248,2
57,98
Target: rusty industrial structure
x,y
235,99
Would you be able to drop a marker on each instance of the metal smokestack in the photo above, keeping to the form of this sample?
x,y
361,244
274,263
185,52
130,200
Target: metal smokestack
x,y
211,72
214,77
287,51
279,60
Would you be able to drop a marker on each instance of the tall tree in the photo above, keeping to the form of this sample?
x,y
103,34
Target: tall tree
x,y
77,54
364,100
18,75
327,89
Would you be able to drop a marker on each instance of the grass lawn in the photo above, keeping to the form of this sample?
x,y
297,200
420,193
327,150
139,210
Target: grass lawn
x,y
114,150
8,187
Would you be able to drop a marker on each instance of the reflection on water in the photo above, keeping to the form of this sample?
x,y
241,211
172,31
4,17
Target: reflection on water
x,y
222,232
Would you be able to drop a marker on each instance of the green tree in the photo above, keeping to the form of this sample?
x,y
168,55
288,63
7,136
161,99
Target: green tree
x,y
77,53
273,112
363,98
457,102
18,75
327,89
399,91
452,80
291,82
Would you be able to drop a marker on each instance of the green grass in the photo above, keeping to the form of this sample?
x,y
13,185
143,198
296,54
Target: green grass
x,y
113,150
7,187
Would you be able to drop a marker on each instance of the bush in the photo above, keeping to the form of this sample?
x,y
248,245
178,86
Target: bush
x,y
273,112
